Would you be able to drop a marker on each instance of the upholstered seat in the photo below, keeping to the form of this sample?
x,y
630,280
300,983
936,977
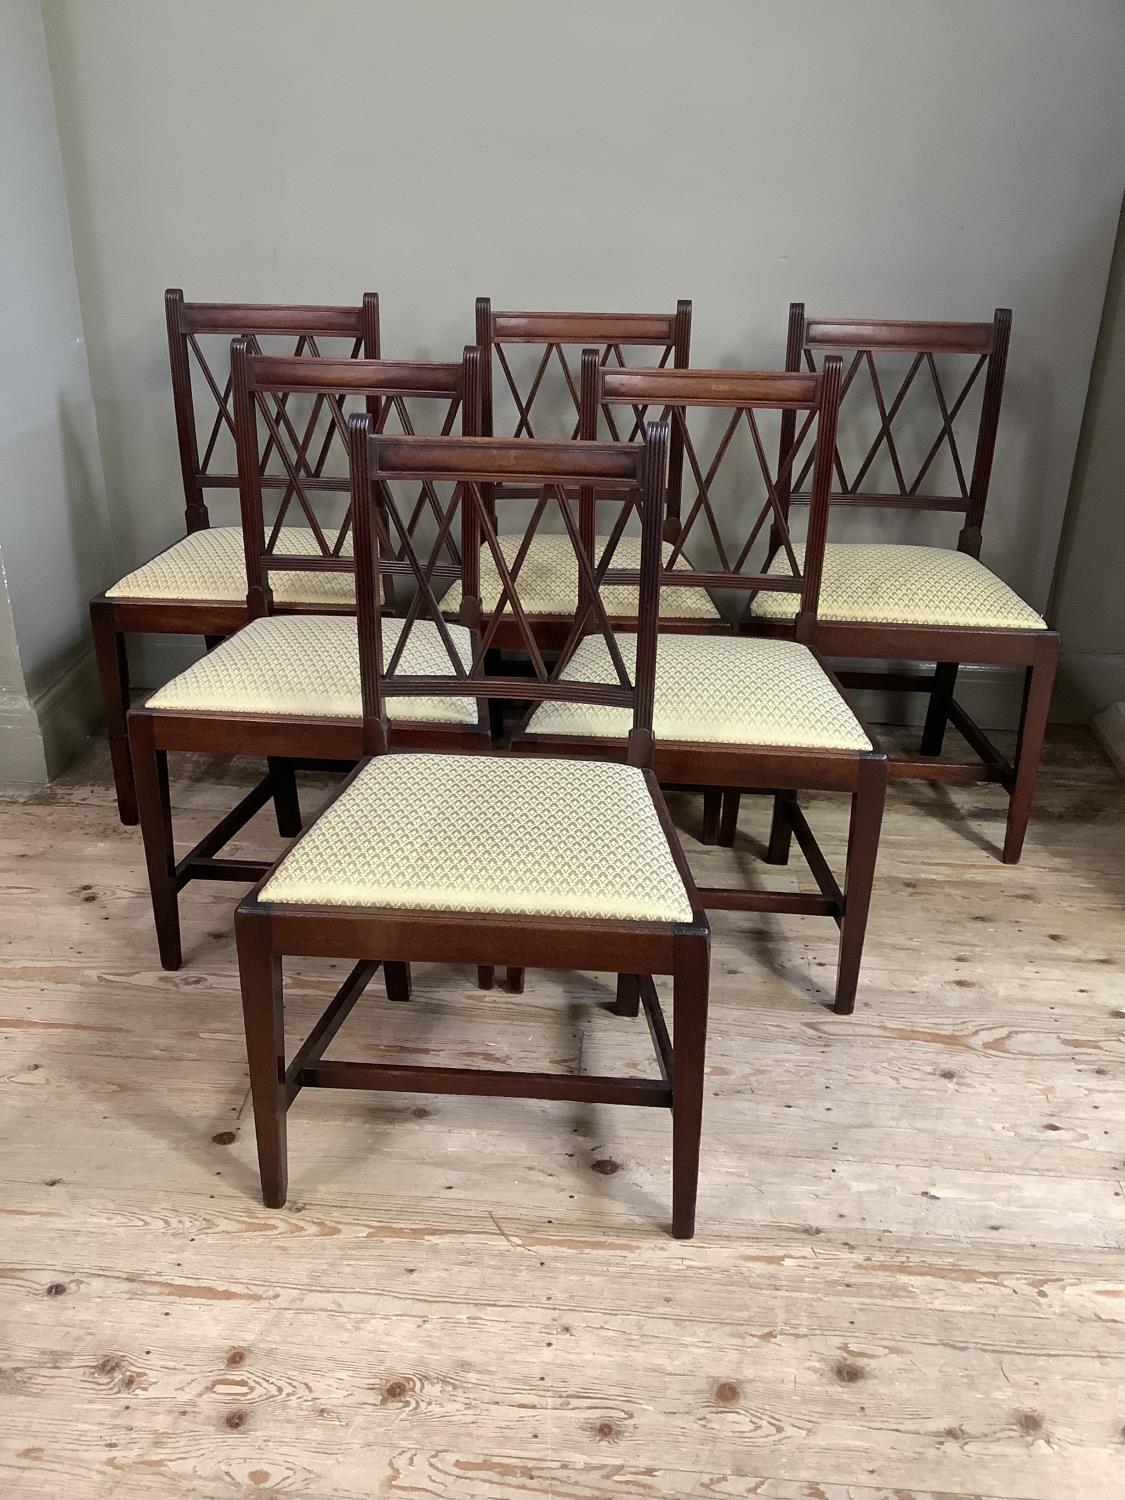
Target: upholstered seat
x,y
714,689
532,837
308,666
891,583
547,582
210,566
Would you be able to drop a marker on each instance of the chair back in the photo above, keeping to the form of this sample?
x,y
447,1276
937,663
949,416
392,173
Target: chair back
x,y
397,397
735,404
553,472
907,465
546,393
199,338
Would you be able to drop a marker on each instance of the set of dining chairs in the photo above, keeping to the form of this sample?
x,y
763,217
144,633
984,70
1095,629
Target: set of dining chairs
x,y
514,597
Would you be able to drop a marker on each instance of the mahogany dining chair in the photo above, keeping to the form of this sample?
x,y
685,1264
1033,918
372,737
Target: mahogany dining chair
x,y
197,586
286,686
896,601
735,710
455,859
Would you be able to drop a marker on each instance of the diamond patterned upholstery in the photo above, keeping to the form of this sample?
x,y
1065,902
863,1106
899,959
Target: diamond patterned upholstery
x,y
547,583
210,565
891,583
713,689
468,833
308,666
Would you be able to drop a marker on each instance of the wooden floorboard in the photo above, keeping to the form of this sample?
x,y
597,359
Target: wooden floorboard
x,y
909,1278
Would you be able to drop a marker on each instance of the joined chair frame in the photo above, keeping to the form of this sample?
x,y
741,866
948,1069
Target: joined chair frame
x,y
781,772
1036,651
288,740
114,619
267,933
668,335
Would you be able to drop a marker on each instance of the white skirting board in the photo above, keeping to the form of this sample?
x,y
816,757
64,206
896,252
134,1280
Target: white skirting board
x,y
44,727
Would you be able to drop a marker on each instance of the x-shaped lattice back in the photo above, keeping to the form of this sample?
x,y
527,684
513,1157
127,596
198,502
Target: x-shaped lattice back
x,y
199,337
393,395
868,347
556,474
552,382
740,398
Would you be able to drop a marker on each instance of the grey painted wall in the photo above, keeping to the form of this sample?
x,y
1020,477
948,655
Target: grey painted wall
x,y
54,547
872,158
1089,593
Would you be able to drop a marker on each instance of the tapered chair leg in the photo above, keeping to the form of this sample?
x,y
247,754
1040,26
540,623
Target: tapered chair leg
x,y
628,1002
689,1051
863,852
728,822
1038,684
937,715
781,830
150,770
712,814
259,971
113,679
494,666
396,977
286,802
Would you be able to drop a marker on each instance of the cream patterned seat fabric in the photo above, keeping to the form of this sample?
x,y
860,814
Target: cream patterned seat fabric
x,y
308,665
715,689
210,565
470,833
891,583
547,583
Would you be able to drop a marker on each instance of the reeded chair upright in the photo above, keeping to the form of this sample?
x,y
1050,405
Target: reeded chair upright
x,y
286,686
494,859
197,586
543,401
896,601
733,710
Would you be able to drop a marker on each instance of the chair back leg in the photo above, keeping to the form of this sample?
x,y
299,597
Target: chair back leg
x,y
1038,684
263,1012
781,829
396,978
149,773
728,820
863,851
712,815
628,1002
286,802
937,714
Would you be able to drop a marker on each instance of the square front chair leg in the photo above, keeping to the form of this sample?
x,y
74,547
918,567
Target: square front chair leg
x,y
150,770
937,714
863,851
113,681
689,1045
1038,683
260,973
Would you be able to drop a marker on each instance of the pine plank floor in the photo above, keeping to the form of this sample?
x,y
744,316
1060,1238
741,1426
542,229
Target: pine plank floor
x,y
909,1279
